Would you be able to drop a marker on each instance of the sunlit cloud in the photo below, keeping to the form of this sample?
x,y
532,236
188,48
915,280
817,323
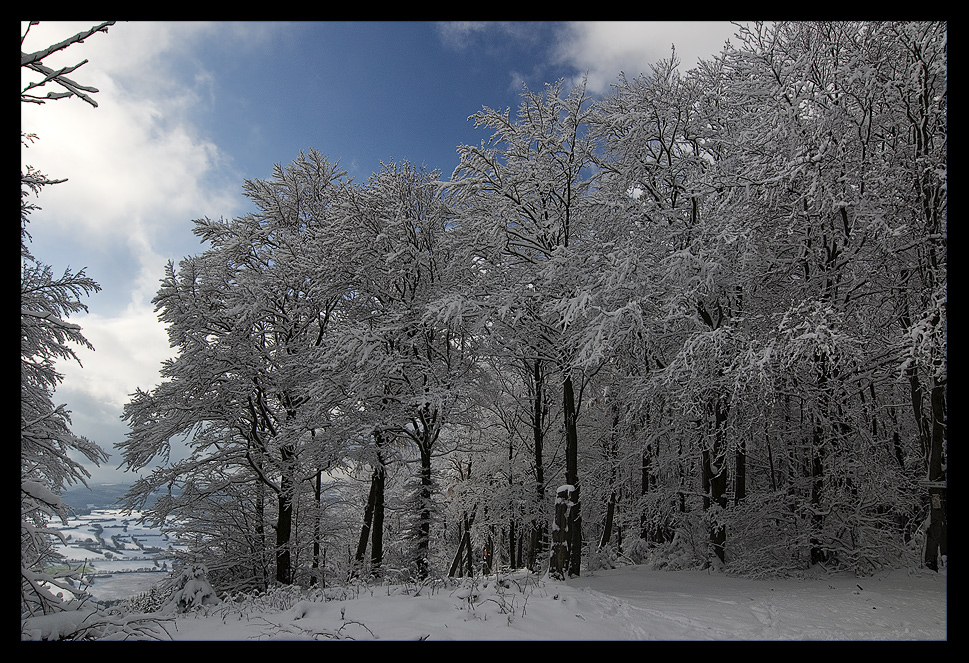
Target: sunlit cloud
x,y
139,168
603,49
134,164
133,346
597,49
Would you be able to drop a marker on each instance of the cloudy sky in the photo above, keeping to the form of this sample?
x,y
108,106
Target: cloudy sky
x,y
187,111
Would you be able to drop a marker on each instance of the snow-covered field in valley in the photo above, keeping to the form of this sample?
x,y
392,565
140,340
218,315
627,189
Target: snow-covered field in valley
x,y
116,555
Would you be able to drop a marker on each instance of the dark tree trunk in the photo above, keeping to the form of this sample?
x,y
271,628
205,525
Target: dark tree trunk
x,y
558,564
263,558
284,523
718,533
607,526
464,553
468,552
512,543
645,471
373,518
456,562
537,532
817,552
536,537
424,518
713,470
377,529
612,453
740,480
317,535
365,529
714,481
574,546
487,557
936,535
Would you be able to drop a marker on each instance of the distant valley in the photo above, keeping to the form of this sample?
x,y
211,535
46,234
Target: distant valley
x,y
82,499
115,555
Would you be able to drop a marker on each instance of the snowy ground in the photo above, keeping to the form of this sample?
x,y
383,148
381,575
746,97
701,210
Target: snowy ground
x,y
628,603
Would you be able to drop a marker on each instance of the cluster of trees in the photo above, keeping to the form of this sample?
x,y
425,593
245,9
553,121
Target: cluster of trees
x,y
715,301
701,321
47,443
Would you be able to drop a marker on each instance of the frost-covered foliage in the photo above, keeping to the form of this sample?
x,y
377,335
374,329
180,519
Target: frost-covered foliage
x,y
331,614
88,623
712,303
49,451
188,589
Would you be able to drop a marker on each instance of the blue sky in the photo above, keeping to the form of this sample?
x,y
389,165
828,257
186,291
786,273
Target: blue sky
x,y
189,110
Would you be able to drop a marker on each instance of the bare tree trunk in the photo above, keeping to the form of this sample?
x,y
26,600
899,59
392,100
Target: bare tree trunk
x,y
740,468
377,529
817,552
936,535
284,520
424,518
714,476
512,542
607,526
263,560
558,564
572,478
373,518
365,529
539,413
464,549
318,501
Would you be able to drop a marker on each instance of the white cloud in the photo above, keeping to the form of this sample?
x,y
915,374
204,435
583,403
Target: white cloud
x,y
606,48
135,163
128,351
139,170
459,34
602,49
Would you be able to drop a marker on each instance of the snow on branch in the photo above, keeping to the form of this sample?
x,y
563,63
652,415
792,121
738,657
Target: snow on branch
x,y
32,61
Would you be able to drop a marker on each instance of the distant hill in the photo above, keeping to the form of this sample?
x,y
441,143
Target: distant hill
x,y
98,496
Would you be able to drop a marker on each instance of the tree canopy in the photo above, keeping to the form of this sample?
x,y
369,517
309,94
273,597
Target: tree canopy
x,y
715,299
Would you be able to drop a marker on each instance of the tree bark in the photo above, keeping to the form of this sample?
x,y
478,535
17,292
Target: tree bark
x,y
424,516
464,549
740,468
574,545
714,472
539,412
284,520
317,535
936,535
558,564
377,529
365,529
263,557
607,526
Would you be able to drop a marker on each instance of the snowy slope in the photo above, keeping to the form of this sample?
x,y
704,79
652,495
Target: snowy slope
x,y
628,603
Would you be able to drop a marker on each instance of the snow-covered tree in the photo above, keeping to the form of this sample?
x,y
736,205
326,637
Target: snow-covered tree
x,y
403,367
736,274
47,443
781,199
522,203
848,169
245,315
